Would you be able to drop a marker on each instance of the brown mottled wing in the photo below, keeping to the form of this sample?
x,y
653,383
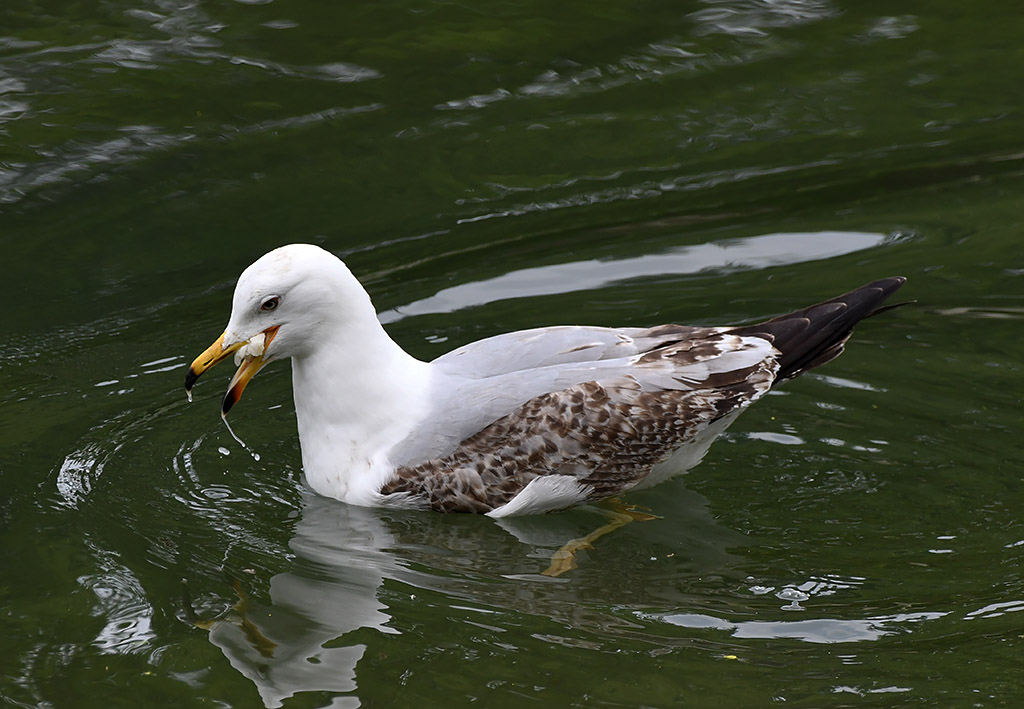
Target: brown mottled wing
x,y
607,435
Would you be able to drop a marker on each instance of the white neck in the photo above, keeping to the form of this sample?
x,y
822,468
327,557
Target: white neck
x,y
357,395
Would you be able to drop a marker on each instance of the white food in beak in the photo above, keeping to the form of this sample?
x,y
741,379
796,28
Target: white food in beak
x,y
252,348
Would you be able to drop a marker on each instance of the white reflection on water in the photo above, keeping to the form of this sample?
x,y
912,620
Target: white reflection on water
x,y
818,630
753,252
994,610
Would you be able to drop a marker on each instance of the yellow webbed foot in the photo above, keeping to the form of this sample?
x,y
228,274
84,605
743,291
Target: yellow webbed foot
x,y
620,514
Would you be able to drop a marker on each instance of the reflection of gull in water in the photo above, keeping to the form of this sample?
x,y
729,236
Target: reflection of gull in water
x,y
297,642
340,563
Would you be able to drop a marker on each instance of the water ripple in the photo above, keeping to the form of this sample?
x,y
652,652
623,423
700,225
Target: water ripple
x,y
63,164
39,83
121,602
745,18
695,52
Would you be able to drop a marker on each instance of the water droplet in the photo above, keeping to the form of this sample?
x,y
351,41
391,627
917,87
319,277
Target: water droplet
x,y
250,451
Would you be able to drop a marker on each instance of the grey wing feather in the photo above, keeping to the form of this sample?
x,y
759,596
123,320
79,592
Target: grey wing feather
x,y
550,346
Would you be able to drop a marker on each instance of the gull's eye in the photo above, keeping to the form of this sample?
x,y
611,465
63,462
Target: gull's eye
x,y
270,304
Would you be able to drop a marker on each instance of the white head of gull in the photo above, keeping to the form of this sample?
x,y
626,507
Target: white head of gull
x,y
520,423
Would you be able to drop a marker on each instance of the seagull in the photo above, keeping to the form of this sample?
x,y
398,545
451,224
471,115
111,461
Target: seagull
x,y
522,423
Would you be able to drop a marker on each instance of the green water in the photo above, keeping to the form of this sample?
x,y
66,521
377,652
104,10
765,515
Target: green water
x,y
855,540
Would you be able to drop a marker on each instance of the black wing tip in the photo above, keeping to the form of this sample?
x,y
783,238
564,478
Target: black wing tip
x,y
880,289
815,335
896,281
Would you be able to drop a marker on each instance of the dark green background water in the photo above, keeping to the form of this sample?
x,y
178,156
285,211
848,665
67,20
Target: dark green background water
x,y
855,541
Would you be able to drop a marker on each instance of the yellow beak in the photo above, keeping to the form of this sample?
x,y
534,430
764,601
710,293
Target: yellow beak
x,y
217,352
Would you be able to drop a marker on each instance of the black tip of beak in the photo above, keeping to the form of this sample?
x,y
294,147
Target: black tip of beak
x,y
190,379
231,398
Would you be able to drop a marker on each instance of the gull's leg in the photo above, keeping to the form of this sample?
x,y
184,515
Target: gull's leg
x,y
236,616
619,515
